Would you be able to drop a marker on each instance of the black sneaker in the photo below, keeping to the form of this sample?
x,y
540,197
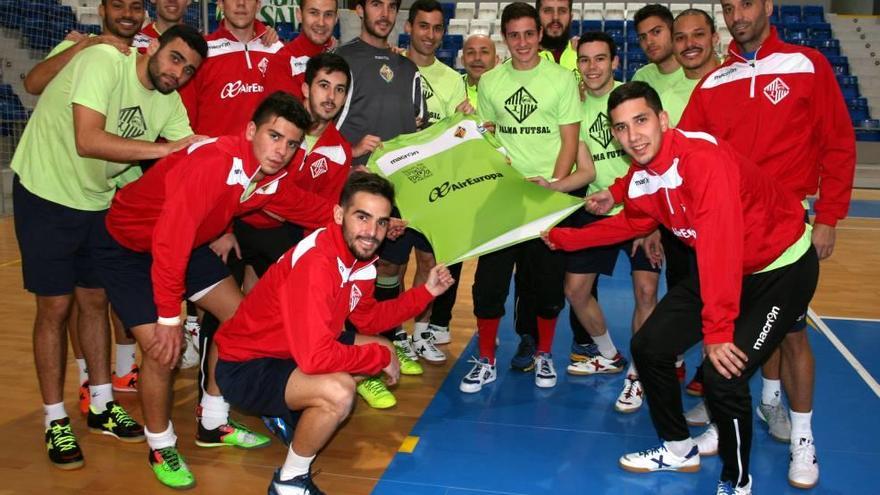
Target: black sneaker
x,y
64,451
524,360
301,485
116,422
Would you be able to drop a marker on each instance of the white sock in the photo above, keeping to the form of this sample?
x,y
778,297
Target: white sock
x,y
632,370
215,411
83,370
771,392
801,426
295,465
53,412
605,345
101,395
161,440
680,448
419,328
124,358
679,360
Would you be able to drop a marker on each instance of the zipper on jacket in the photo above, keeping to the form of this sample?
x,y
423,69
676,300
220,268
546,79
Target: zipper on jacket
x,y
247,56
665,190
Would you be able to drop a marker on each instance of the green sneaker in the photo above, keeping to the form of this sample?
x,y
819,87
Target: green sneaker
x,y
170,468
61,445
232,434
374,391
408,366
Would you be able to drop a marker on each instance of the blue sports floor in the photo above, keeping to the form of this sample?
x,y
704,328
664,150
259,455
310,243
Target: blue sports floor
x,y
513,438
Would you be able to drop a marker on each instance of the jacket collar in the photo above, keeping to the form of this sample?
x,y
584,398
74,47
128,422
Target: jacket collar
x,y
223,32
768,47
663,160
304,45
343,253
243,156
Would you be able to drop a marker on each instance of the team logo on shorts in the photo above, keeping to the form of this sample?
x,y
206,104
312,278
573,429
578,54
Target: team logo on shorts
x,y
263,66
318,167
386,73
776,91
600,130
355,297
131,123
521,104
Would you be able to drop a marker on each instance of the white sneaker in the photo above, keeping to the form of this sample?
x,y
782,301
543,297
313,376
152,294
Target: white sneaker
x,y
441,334
728,488
545,372
597,364
660,459
777,420
698,415
803,468
405,345
425,348
707,442
481,374
630,398
190,358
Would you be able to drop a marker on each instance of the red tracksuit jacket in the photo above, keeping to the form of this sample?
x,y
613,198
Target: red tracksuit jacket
x,y
293,58
322,171
223,94
298,310
142,39
787,114
190,197
716,201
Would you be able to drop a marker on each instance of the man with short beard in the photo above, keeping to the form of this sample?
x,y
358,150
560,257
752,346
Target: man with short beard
x,y
556,43
478,57
288,333
315,36
654,25
385,102
66,176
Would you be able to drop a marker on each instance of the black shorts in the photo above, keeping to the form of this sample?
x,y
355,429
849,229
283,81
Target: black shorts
x,y
125,274
397,251
56,243
236,381
602,259
261,248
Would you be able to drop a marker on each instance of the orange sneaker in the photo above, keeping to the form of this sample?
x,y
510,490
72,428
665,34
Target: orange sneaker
x,y
84,401
127,382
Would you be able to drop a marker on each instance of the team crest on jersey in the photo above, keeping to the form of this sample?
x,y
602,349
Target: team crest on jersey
x,y
355,297
263,66
521,104
386,73
427,90
776,91
318,167
600,130
131,123
460,132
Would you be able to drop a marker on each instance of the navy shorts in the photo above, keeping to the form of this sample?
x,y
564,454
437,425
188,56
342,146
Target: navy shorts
x,y
236,380
125,274
602,260
56,243
397,251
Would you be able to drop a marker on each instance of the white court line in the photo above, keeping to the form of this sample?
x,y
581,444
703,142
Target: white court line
x,y
872,383
870,320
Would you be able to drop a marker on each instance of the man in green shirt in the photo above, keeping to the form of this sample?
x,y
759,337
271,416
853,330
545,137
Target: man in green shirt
x,y
478,57
556,43
536,111
654,25
101,112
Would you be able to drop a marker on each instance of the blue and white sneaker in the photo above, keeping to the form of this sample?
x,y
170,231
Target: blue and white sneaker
x,y
483,373
661,459
301,485
582,352
728,488
279,427
545,372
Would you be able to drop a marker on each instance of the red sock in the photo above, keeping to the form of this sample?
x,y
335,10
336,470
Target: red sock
x,y
546,330
488,328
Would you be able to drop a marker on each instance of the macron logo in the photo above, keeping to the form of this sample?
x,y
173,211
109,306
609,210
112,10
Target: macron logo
x,y
772,316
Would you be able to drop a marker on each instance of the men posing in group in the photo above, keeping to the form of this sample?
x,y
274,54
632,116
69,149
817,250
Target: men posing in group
x,y
597,61
386,100
67,166
653,23
317,18
781,105
478,57
288,334
154,251
556,42
756,274
535,108
168,13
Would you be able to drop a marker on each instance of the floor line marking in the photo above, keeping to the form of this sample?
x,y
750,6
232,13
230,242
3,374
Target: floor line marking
x,y
869,320
826,330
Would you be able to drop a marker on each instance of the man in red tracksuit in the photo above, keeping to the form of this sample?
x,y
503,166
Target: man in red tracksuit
x,y
288,334
757,271
780,105
315,36
154,251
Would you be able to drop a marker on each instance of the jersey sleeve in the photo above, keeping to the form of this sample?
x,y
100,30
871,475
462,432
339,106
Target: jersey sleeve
x,y
372,317
177,125
570,109
628,224
487,111
60,47
96,74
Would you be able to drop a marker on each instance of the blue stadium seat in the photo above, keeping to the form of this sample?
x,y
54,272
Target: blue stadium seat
x,y
337,31
618,74
285,31
829,48
795,31
88,28
630,71
448,12
813,14
453,42
867,130
840,65
789,14
819,31
591,26
636,57
446,56
774,17
575,29
403,40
